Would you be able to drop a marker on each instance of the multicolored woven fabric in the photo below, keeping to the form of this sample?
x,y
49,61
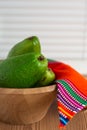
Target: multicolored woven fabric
x,y
71,91
70,100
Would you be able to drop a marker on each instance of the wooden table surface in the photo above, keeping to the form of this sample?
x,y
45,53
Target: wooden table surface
x,y
50,122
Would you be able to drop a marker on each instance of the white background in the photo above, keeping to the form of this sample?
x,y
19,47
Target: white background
x,y
61,26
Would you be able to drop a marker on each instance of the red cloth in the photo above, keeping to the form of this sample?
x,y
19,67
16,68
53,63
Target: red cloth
x,y
71,91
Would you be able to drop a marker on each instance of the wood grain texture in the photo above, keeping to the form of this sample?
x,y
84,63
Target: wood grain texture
x,y
25,106
51,121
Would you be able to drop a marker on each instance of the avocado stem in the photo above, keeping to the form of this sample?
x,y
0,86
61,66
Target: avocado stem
x,y
41,58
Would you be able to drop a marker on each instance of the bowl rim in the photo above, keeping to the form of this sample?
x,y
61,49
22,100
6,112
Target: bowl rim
x,y
36,90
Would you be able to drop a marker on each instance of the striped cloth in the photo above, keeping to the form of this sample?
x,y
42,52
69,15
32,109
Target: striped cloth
x,y
71,91
70,100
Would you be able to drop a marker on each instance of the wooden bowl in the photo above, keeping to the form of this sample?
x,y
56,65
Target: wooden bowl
x,y
25,106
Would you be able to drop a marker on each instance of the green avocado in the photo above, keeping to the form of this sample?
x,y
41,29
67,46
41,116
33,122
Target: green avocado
x,y
31,44
47,78
22,71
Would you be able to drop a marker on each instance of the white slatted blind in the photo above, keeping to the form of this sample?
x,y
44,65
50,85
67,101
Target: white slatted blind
x,y
59,24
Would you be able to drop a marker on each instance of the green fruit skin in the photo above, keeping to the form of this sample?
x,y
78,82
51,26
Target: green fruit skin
x,y
31,44
47,79
1,61
22,71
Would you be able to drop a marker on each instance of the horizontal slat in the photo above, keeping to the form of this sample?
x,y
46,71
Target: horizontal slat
x,y
14,27
59,34
49,41
45,3
44,40
39,11
67,55
42,19
55,13
62,48
60,25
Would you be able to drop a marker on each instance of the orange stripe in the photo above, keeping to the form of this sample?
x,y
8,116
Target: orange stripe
x,y
65,112
65,109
